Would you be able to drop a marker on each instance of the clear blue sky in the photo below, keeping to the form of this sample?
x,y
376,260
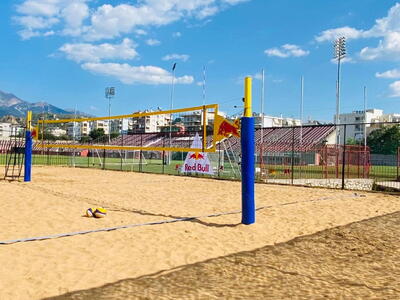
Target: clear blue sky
x,y
66,52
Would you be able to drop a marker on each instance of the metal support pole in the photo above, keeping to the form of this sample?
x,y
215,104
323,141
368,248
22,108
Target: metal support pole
x,y
122,142
248,150
140,152
344,158
398,164
104,159
219,159
292,171
28,148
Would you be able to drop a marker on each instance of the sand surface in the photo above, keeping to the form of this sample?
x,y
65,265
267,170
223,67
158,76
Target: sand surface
x,y
356,261
57,198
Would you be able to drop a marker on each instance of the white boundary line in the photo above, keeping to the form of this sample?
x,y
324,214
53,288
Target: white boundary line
x,y
186,219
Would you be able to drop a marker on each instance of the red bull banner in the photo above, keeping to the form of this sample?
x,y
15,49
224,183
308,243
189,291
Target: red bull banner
x,y
225,128
197,162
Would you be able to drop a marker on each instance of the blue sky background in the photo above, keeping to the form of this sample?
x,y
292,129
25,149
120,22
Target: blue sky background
x,y
230,37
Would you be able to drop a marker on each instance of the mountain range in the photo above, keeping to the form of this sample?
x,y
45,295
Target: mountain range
x,y
11,105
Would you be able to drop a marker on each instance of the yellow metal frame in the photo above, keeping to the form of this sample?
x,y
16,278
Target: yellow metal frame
x,y
204,148
247,97
29,120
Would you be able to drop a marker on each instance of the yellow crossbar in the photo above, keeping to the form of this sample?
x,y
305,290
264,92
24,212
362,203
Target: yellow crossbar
x,y
131,148
135,115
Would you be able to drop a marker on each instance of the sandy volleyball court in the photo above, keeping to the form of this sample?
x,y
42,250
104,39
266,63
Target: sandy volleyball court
x,y
57,198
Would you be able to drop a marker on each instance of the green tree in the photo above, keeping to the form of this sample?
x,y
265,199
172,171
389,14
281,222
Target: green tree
x,y
114,135
85,139
47,135
385,140
97,134
351,141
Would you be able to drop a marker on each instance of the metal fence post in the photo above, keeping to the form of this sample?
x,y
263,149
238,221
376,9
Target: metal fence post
x,y
163,156
104,159
122,144
398,164
292,171
140,152
219,158
344,158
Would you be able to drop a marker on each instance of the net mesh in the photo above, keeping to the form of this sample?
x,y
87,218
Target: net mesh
x,y
150,131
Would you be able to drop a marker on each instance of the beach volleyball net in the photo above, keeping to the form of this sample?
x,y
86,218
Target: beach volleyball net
x,y
128,142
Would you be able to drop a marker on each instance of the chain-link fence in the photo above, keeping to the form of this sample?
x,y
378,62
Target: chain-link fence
x,y
318,155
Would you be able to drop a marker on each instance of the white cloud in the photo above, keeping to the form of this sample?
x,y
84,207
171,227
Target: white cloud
x,y
45,14
95,53
207,11
233,2
333,34
257,76
31,22
177,34
39,7
136,75
74,14
387,28
287,50
27,34
35,26
344,60
182,57
395,89
388,48
153,42
108,21
391,74
140,32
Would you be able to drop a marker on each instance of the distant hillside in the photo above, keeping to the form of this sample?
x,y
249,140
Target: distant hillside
x,y
11,105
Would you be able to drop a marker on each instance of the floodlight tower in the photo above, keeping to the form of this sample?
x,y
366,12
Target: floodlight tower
x,y
171,115
110,92
339,53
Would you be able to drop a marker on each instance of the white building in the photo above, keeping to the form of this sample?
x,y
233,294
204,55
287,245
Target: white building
x,y
356,128
58,131
194,121
389,118
152,123
100,124
121,126
77,130
74,130
8,129
270,121
5,130
356,119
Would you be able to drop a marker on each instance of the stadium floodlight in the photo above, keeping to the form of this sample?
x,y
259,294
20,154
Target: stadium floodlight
x,y
110,92
339,47
172,107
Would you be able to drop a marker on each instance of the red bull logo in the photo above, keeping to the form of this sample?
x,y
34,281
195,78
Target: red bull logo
x,y
34,134
197,168
196,156
226,129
